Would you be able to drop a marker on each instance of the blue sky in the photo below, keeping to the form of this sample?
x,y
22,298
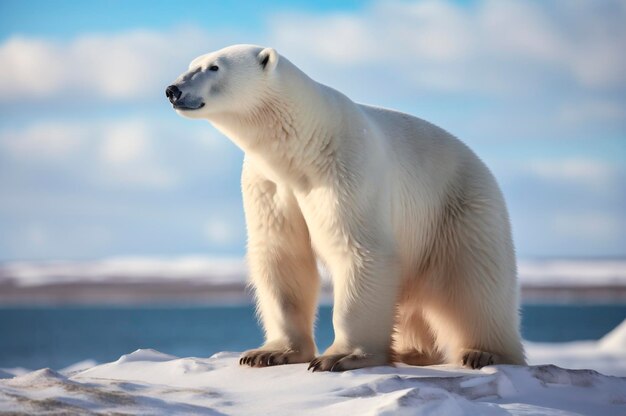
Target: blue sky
x,y
93,162
66,18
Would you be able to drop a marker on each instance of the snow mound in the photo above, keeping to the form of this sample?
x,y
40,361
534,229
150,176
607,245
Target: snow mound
x,y
615,340
39,378
608,355
149,382
79,366
145,355
12,372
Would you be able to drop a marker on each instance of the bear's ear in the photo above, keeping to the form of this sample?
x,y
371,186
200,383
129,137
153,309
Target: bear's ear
x,y
268,59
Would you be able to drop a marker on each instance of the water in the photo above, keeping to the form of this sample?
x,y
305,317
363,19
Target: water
x,y
56,337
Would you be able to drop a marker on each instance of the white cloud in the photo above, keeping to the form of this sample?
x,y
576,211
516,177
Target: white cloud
x,y
35,235
580,113
130,65
564,59
125,142
589,172
43,141
41,240
115,153
34,67
221,231
492,46
422,30
593,227
128,157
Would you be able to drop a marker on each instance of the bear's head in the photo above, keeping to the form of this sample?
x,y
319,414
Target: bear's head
x,y
231,80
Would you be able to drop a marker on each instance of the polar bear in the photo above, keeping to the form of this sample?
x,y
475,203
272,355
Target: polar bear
x,y
409,222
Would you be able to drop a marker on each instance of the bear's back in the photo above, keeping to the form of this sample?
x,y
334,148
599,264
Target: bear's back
x,y
413,141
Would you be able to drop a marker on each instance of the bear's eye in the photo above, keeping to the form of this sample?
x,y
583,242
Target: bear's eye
x,y
213,68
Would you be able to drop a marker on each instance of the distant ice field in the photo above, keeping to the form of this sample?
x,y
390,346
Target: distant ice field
x,y
206,270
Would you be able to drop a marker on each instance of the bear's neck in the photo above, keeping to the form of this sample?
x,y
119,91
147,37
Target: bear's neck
x,y
289,134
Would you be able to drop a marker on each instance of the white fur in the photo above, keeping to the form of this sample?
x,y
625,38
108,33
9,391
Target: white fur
x,y
410,223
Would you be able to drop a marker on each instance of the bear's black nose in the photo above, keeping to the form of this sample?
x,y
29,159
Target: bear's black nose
x,y
172,93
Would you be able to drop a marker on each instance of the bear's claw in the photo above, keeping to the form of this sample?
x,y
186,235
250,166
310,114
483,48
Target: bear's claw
x,y
269,358
343,362
326,363
476,359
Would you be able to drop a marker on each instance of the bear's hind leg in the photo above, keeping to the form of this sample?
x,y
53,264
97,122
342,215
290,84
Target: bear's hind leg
x,y
478,359
472,301
477,323
413,339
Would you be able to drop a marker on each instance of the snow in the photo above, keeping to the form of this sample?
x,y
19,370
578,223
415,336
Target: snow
x,y
150,382
615,340
607,355
575,272
125,270
79,366
146,383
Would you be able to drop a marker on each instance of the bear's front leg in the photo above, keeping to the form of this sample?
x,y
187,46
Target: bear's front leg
x,y
365,281
283,272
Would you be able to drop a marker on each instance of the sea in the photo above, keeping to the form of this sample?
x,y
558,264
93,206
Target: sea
x,y
56,337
